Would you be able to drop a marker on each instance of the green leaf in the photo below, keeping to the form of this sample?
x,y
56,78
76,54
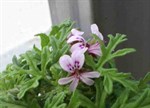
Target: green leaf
x,y
74,101
107,51
122,78
100,94
90,61
144,82
15,61
78,99
139,101
30,84
56,102
5,104
54,43
55,30
108,84
34,104
122,52
38,51
29,57
44,39
45,58
121,100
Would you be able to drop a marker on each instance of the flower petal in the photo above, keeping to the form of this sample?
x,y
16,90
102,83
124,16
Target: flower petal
x,y
76,32
74,84
86,80
75,38
93,74
78,47
78,59
95,30
66,63
95,49
66,80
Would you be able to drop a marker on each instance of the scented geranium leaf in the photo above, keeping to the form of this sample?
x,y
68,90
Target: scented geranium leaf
x,y
65,31
100,94
10,104
112,63
27,85
86,102
90,61
122,52
38,51
108,84
68,24
15,61
44,39
56,102
144,82
108,81
55,73
64,49
121,100
79,99
130,84
74,101
33,104
54,43
122,78
107,51
45,58
55,30
31,61
138,101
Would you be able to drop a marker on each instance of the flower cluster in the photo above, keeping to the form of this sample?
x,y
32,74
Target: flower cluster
x,y
74,64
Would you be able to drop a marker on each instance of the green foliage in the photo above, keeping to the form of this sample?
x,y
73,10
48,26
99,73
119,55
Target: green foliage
x,y
56,101
31,80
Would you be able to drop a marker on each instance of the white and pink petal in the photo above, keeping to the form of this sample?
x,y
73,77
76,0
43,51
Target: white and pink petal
x,y
92,74
75,39
77,32
66,63
86,80
78,59
78,47
95,49
74,84
95,30
66,80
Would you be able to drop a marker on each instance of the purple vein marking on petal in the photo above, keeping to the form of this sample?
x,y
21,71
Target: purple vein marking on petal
x,y
77,64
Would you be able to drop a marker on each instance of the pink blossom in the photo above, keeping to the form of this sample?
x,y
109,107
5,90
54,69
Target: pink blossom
x,y
95,49
95,30
76,32
75,36
73,65
78,43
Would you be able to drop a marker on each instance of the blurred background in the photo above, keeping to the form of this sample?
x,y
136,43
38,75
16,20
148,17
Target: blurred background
x,y
22,19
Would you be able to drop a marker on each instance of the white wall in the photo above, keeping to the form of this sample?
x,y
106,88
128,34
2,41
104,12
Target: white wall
x,y
20,20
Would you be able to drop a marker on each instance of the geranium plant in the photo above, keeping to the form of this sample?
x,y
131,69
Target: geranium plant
x,y
69,71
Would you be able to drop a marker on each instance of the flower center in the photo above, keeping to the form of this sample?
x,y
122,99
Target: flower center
x,y
76,73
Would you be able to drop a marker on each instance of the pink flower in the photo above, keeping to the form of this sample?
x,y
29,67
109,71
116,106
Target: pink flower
x,y
78,43
95,49
75,36
76,32
73,65
95,30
